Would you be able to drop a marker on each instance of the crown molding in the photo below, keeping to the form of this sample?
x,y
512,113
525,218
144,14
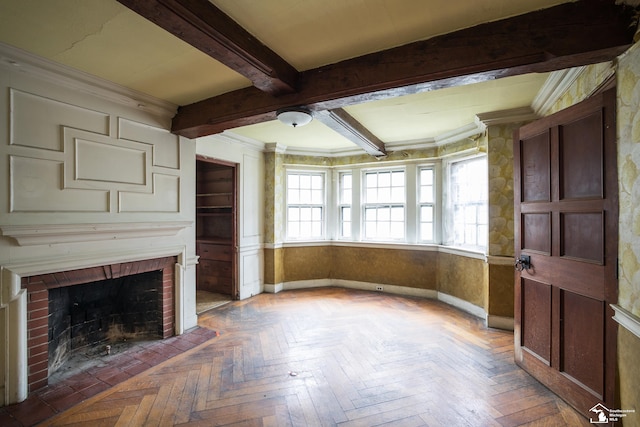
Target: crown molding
x,y
229,137
513,115
12,58
554,87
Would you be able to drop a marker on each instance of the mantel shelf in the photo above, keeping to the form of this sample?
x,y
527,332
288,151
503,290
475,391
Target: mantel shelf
x,y
46,234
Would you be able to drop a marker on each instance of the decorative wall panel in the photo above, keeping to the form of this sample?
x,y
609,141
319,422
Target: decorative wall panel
x,y
66,158
250,197
165,197
99,162
51,115
36,186
166,146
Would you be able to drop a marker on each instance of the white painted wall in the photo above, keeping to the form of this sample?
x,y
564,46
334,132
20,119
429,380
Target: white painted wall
x,y
89,175
250,161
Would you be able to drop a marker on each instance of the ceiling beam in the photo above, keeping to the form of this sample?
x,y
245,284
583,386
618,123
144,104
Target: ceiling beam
x,y
346,125
207,28
564,36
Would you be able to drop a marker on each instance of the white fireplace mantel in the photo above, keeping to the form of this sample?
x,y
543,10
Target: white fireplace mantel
x,y
46,234
13,298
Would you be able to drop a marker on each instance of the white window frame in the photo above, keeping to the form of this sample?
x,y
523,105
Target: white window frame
x,y
323,205
450,207
342,203
433,204
366,204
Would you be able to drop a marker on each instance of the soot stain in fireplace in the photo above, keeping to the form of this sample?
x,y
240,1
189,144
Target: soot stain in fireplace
x,y
85,319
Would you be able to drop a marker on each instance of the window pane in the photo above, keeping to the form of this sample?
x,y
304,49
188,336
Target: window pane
x,y
316,182
397,230
426,232
384,179
346,214
469,195
426,213
316,214
293,181
397,195
384,194
397,214
372,180
293,214
372,195
305,181
398,179
384,214
316,197
370,214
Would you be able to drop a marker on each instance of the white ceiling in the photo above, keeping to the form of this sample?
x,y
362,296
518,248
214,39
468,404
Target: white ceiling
x,y
106,39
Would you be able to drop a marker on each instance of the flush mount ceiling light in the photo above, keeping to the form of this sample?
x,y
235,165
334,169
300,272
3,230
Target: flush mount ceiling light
x,y
294,116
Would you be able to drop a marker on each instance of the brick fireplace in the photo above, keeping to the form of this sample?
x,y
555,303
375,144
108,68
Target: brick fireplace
x,y
89,321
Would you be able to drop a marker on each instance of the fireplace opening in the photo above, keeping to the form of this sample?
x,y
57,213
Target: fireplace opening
x,y
79,319
90,319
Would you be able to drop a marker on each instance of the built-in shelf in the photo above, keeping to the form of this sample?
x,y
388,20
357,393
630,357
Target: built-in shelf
x,y
215,204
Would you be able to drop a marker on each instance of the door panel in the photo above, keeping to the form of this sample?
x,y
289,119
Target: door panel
x,y
582,236
536,319
566,217
536,232
582,160
536,169
581,354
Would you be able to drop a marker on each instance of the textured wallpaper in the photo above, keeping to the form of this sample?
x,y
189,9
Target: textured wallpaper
x,y
500,158
273,197
629,179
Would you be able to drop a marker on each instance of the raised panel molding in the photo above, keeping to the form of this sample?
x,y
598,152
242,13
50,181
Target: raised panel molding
x,y
67,158
165,197
28,109
36,186
166,146
102,163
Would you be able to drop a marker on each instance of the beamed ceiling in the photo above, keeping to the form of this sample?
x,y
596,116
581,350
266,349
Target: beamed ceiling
x,y
374,72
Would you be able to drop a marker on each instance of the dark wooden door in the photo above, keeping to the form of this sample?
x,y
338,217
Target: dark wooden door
x,y
566,215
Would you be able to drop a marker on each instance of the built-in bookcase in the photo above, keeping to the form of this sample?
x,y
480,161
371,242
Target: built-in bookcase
x,y
216,226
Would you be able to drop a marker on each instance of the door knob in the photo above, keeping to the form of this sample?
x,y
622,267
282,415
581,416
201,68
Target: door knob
x,y
523,263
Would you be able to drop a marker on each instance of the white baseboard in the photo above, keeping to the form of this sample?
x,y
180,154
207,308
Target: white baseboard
x,y
462,305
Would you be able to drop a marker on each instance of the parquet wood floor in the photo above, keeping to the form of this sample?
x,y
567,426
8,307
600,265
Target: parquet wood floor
x,y
333,357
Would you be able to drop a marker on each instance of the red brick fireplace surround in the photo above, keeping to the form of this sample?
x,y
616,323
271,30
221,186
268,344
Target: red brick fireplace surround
x,y
38,305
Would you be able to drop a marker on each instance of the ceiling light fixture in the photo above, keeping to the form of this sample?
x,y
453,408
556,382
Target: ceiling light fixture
x,y
294,116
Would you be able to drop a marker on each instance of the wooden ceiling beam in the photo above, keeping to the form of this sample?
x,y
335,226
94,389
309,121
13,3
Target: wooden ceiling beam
x,y
564,36
207,28
347,126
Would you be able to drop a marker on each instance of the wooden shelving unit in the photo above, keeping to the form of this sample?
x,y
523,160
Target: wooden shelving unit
x,y
215,226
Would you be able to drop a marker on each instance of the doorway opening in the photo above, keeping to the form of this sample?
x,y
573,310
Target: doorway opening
x,y
216,225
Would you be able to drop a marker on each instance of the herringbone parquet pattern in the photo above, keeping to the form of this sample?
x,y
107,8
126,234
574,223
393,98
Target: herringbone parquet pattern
x,y
328,357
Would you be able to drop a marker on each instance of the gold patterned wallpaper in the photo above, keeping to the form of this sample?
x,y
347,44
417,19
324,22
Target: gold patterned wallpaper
x,y
629,179
500,161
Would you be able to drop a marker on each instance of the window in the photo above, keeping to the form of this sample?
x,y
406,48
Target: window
x,y
426,204
344,203
469,199
384,208
305,205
